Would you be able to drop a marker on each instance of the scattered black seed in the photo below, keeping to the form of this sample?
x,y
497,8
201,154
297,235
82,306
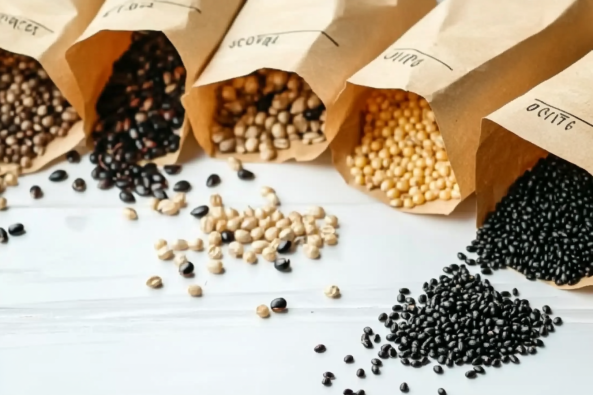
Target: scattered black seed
x,y
394,316
182,186
123,183
160,194
376,362
73,156
348,359
329,375
36,192
557,321
141,190
245,175
377,338
360,392
368,330
479,369
3,236
360,373
200,211
405,361
470,374
397,307
284,246
320,348
227,236
172,169
327,382
505,294
461,256
367,343
422,299
404,387
441,391
416,364
392,353
16,230
279,305
348,391
375,369
186,269
496,363
79,185
213,180
486,271
438,369
58,175
105,184
401,298
515,292
513,359
127,197
546,309
382,317
404,291
282,264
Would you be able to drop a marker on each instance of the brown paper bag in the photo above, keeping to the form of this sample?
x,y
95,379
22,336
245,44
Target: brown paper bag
x,y
466,58
554,117
43,31
194,27
324,42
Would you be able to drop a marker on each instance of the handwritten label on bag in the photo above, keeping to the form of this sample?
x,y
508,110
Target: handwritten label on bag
x,y
411,57
129,6
23,24
268,39
555,115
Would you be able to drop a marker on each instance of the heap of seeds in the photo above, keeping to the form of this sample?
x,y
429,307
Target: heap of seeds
x,y
140,114
33,111
402,151
264,111
543,227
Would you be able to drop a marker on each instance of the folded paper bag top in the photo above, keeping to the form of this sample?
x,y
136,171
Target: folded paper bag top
x,y
324,42
466,58
194,27
43,31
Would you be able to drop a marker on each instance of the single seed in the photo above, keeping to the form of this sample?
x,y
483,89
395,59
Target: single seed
x,y
215,267
326,381
130,213
245,175
332,291
179,245
227,236
311,251
479,369
58,175
376,362
278,305
214,252
127,197
36,192
470,374
180,199
73,156
349,359
250,257
441,391
234,163
546,309
236,249
79,185
214,238
160,243
165,253
269,254
558,321
172,169
3,236
375,369
348,391
360,373
438,369
10,180
284,246
263,311
182,186
200,211
404,291
515,292
213,180
196,244
3,203
16,229
282,264
404,387
194,290
360,392
215,200
329,375
377,338
154,282
180,259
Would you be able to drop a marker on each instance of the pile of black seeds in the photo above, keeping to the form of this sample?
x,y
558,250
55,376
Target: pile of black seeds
x,y
543,227
140,115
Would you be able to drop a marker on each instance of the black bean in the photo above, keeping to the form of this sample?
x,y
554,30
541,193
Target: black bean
x,y
557,321
404,387
320,348
368,330
360,392
505,294
73,156
36,192
105,184
461,256
392,353
278,305
245,175
3,236
515,292
479,369
213,180
401,298
186,269
182,186
329,375
79,185
486,271
327,382
404,291
160,194
377,338
375,369
348,359
496,363
394,316
227,236
123,183
397,307
58,175
470,374
382,317
141,190
284,246
546,309
410,301
376,362
200,211
172,169
282,264
441,391
438,369
513,359
360,373
16,229
405,361
127,197
422,299
348,391
416,364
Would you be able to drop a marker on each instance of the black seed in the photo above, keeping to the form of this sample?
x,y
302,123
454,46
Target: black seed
x,y
329,375
382,317
546,309
505,294
105,184
377,338
470,374
486,271
405,361
213,180
320,348
127,197
479,369
227,236
36,192
348,391
496,363
360,373
282,264
368,330
327,382
186,269
515,292
200,211
278,305
376,362
513,359
404,291
16,230
461,256
416,364
141,190
3,236
397,307
422,299
73,156
375,369
401,298
394,316
284,246
438,369
392,353
348,359
404,387
557,321
58,175
182,186
360,392
160,194
245,175
172,169
79,185
441,391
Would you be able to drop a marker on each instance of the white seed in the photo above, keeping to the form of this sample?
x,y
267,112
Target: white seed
x,y
215,267
249,212
332,292
180,259
269,209
283,223
287,234
250,257
217,212
179,199
207,224
130,213
160,243
273,199
274,244
257,233
309,219
249,223
295,217
10,180
310,229
234,163
215,200
327,230
179,245
196,245
269,254
260,213
233,224
311,251
168,207
243,236
316,211
165,253
230,213
271,233
330,239
236,249
266,191
298,228
331,220
259,245
214,252
2,203
214,238
265,223
153,203
277,216
315,240
220,225
154,282
263,311
194,290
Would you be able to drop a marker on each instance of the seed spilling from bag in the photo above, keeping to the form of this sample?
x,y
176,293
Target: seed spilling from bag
x,y
402,151
266,111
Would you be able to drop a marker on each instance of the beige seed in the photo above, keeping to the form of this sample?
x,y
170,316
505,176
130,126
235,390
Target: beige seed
x,y
179,199
264,191
196,245
257,233
215,200
274,244
309,219
316,212
233,224
287,234
249,223
331,220
220,225
207,224
273,199
330,239
332,292
265,223
271,233
311,251
298,229
269,254
269,209
276,216
214,252
3,203
180,259
295,217
217,212
168,207
260,213
243,236
315,240
160,243
262,311
230,213
249,212
236,249
10,180
153,203
215,267
194,290
310,229
250,257
154,282
283,223
234,163
327,230
165,253
214,238
179,245
259,245
130,213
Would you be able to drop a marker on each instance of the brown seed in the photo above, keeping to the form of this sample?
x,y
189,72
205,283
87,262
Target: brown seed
x,y
154,282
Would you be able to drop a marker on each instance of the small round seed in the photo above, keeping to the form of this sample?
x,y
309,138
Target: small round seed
x,y
3,203
438,369
196,244
404,387
259,245
441,391
182,186
215,267
130,213
127,197
73,156
326,381
58,175
263,311
250,257
558,321
11,179
79,185
349,359
360,373
375,369
546,309
215,200
153,203
165,253
168,207
278,305
186,269
214,252
214,238
154,282
179,245
172,169
470,374
348,391
200,211
234,163
36,192
332,291
273,199
316,212
236,249
227,236
265,191
213,180
194,290
282,264
16,229
160,243
180,199
180,259
3,236
311,251
269,254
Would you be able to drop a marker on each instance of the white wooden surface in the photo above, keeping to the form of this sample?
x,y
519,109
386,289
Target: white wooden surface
x,y
76,317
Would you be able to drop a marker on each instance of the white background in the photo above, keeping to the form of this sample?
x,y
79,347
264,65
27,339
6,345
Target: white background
x,y
76,317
